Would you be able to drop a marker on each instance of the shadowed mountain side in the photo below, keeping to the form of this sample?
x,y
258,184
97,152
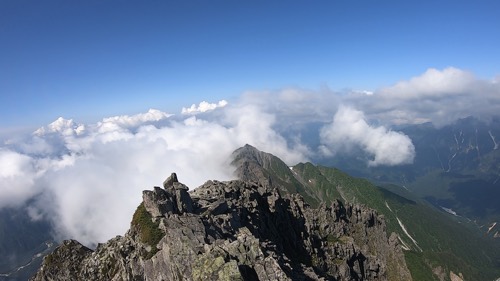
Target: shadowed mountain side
x,y
23,242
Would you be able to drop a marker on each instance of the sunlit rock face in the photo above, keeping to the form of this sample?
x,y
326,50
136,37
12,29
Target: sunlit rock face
x,y
236,230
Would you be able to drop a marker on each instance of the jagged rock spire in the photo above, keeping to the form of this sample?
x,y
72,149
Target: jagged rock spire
x,y
174,199
169,182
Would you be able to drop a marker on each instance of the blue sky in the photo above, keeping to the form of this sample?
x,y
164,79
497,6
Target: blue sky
x,y
90,59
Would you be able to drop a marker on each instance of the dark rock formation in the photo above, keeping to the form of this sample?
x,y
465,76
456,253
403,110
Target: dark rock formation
x,y
269,172
169,182
174,199
236,230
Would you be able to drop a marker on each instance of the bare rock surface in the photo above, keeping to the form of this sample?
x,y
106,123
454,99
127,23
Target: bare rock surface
x,y
236,230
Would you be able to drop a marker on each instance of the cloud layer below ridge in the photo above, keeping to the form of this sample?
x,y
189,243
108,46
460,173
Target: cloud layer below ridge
x,y
87,178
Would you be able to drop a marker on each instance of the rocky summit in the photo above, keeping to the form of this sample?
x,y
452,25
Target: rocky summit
x,y
236,230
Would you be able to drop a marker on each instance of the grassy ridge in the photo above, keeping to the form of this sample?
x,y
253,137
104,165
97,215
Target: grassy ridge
x,y
148,230
440,241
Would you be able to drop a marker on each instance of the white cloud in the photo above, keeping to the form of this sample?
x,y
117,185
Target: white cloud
x,y
17,175
349,128
432,83
295,105
437,96
153,115
251,125
88,178
89,183
203,107
62,126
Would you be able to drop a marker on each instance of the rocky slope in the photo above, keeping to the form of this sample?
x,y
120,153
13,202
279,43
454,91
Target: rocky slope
x,y
268,170
236,230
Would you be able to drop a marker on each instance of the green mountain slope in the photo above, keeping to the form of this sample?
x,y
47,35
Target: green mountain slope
x,y
433,240
456,167
435,244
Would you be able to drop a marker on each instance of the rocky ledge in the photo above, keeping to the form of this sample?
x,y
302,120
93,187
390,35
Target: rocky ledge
x,y
236,230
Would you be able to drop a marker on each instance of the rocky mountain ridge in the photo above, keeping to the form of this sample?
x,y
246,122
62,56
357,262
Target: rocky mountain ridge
x,y
442,246
236,230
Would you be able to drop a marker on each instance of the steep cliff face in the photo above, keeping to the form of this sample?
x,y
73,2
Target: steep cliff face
x,y
236,230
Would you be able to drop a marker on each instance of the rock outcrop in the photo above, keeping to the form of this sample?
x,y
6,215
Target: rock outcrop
x,y
236,230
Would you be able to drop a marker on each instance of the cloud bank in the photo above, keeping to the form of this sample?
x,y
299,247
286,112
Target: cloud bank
x,y
87,178
349,128
437,96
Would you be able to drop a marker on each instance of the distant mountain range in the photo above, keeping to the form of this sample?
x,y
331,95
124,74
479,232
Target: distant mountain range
x,y
456,168
306,222
23,243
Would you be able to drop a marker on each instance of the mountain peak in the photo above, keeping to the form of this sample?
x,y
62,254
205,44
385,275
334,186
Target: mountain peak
x,y
247,146
236,231
247,152
257,166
